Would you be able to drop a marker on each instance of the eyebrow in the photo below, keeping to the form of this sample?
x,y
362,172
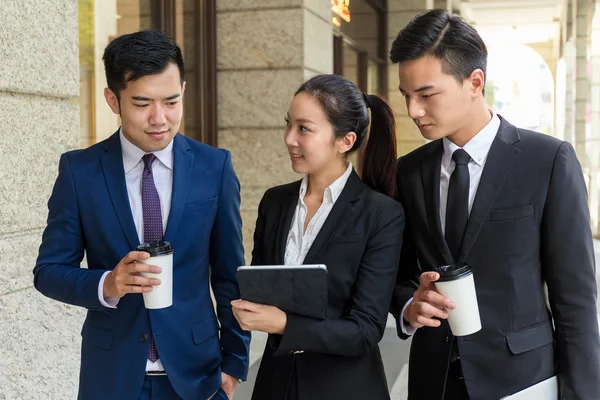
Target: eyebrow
x,y
421,89
301,120
304,120
141,98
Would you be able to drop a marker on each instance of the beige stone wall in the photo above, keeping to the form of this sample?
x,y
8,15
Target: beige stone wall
x,y
39,119
265,51
400,13
594,145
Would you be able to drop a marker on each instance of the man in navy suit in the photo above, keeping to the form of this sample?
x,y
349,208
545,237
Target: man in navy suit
x,y
98,208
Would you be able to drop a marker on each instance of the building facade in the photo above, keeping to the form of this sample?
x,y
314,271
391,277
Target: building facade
x,y
244,61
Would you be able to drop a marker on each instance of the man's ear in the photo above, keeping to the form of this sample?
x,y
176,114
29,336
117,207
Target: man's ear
x,y
477,82
112,101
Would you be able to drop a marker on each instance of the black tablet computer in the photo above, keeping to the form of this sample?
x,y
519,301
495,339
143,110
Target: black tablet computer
x,y
296,289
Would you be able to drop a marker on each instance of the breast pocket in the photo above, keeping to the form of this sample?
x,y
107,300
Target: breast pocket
x,y
512,213
192,208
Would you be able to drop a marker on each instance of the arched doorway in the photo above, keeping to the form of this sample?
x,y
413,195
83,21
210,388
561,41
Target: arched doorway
x,y
521,91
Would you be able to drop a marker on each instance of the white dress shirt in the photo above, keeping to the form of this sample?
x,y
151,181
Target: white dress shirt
x,y
162,171
299,241
478,148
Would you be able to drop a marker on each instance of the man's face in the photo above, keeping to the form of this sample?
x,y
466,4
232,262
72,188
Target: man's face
x,y
150,108
437,103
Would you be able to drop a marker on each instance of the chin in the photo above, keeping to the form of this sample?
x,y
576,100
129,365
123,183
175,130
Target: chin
x,y
433,135
298,169
157,145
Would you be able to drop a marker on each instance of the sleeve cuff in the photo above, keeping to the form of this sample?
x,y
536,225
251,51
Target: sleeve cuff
x,y
108,302
233,366
294,335
407,328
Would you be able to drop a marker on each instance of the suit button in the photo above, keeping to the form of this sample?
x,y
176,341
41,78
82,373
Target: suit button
x,y
144,336
446,339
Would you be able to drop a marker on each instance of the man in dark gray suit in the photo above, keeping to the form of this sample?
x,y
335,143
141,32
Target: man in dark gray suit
x,y
510,202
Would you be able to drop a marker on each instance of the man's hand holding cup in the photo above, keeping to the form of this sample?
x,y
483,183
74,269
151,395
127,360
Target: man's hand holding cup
x,y
427,303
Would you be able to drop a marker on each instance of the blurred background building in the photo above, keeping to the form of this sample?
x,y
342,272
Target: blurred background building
x,y
244,60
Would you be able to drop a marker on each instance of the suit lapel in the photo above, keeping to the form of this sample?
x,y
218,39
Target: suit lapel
x,y
430,177
183,159
114,174
285,220
340,213
500,161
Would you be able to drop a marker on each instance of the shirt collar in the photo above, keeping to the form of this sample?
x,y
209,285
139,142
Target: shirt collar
x,y
478,147
132,154
333,191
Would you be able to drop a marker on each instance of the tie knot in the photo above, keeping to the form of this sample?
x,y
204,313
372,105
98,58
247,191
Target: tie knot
x,y
148,160
461,157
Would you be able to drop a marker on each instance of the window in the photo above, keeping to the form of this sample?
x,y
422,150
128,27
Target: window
x,y
360,48
191,23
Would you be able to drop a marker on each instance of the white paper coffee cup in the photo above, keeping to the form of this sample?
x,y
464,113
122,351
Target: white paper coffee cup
x,y
457,284
161,255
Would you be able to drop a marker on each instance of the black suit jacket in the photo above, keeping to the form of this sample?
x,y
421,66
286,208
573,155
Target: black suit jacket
x,y
337,358
529,226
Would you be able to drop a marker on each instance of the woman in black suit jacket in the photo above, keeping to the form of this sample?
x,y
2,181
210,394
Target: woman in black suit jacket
x,y
330,217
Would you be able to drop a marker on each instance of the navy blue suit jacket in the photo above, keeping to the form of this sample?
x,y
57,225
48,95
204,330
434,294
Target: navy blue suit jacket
x,y
89,213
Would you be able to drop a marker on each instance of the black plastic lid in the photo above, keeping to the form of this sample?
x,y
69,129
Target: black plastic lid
x,y
452,272
156,248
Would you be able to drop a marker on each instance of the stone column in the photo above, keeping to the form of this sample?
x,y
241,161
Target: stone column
x,y
400,12
594,148
265,51
582,82
39,120
569,55
443,4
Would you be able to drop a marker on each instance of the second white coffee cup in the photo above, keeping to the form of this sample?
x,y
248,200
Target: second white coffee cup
x,y
161,255
457,284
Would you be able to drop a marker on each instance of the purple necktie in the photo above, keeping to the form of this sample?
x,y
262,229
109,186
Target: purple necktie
x,y
153,229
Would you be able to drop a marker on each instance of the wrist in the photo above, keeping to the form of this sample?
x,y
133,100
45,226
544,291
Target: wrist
x,y
406,316
281,324
106,290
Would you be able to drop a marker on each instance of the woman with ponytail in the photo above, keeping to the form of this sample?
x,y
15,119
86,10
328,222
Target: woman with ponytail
x,y
352,225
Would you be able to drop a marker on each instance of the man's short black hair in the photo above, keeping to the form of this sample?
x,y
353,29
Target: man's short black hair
x,y
132,56
446,37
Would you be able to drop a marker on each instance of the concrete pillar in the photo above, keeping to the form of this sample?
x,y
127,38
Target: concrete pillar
x,y
594,147
594,158
39,120
582,82
265,51
569,55
443,4
549,52
400,12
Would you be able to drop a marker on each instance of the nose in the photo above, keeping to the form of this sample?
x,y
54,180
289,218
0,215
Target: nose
x,y
290,138
157,116
415,108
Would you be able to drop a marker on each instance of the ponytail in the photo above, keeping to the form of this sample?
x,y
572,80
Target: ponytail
x,y
378,167
347,110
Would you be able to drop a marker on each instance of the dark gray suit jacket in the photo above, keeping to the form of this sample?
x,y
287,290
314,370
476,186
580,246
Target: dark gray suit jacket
x,y
529,226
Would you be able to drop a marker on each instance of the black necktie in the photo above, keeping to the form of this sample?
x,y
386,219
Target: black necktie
x,y
457,209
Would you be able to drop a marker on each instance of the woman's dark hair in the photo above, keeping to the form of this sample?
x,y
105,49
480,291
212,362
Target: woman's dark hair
x,y
446,37
130,57
347,110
